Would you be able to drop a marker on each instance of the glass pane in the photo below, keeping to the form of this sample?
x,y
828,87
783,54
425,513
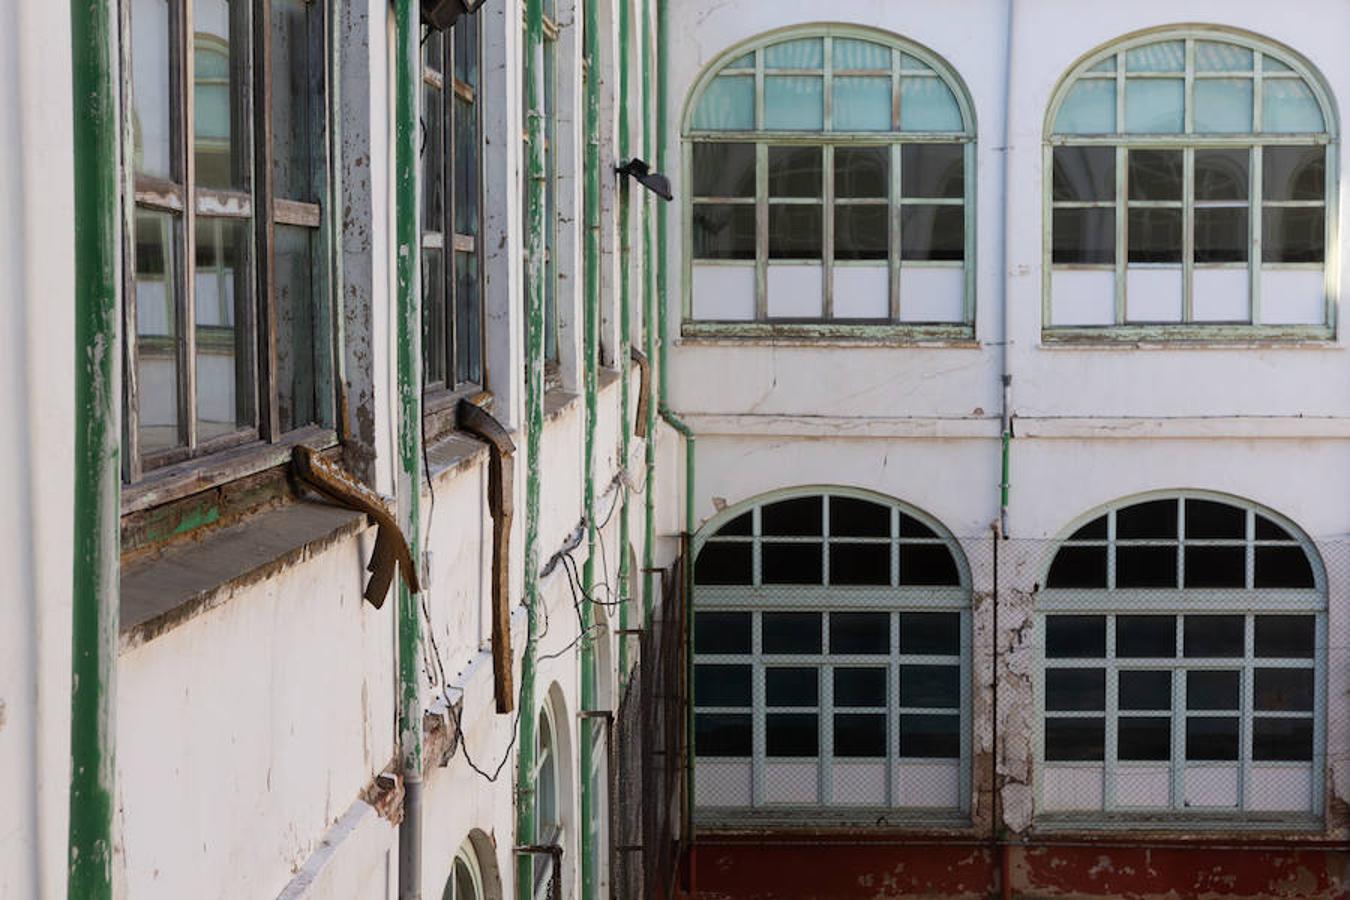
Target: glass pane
x,y
1145,690
1152,519
724,231
1211,738
927,564
1078,567
791,687
1212,690
855,54
1084,236
930,736
862,232
1146,636
220,136
1223,105
468,320
465,37
157,330
1271,64
741,525
1075,689
1144,567
1154,174
223,295
742,62
467,167
795,172
795,231
433,159
791,734
723,563
721,685
864,632
1085,173
1221,235
862,172
1106,65
1211,56
724,170
862,104
151,82
1164,56
1222,174
912,64
794,102
937,687
932,232
1088,108
1154,105
1213,636
930,633
433,317
1294,173
722,632
1293,235
860,563
800,516
727,104
1210,519
932,170
722,734
806,53
301,347
1289,637
927,104
1075,740
1267,530
859,734
1144,738
1224,567
1284,690
1154,235
297,99
865,687
791,563
795,632
852,517
433,48
1289,106
1094,530
1286,739
1075,637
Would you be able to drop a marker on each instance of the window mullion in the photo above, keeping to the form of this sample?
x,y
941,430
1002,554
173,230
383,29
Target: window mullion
x,y
896,218
1179,722
827,222
187,302
449,205
1254,252
264,224
1122,223
761,231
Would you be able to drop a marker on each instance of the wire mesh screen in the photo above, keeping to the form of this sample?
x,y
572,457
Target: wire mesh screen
x,y
648,755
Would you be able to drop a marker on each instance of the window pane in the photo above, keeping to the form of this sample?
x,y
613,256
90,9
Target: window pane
x,y
151,82
862,172
724,231
1221,235
722,632
1223,105
803,53
1222,174
297,99
1088,108
1294,173
927,104
1078,567
724,170
1293,235
938,687
1283,567
722,734
1084,173
862,232
1154,174
932,232
1220,567
220,137
1267,530
1164,56
721,685
1284,690
742,62
1075,637
723,563
866,687
927,564
790,632
1289,637
727,104
1145,567
1144,738
1154,105
1211,56
791,687
1084,236
860,563
791,563
853,54
795,231
1094,530
930,633
911,527
223,295
862,104
741,525
932,170
859,518
1075,689
433,317
433,159
1145,690
864,632
1213,636
1211,738
795,172
467,167
794,102
1207,690
301,348
468,320
1289,106
858,734
930,736
800,516
791,734
1075,740
157,330
1146,636
1152,519
1282,739
1155,235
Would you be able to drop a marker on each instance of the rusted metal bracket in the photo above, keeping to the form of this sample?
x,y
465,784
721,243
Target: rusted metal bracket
x,y
555,852
644,391
501,504
391,547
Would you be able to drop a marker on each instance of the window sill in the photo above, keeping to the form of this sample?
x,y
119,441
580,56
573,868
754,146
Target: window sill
x,y
1275,825
1191,337
557,402
453,453
851,822
175,587
829,334
440,415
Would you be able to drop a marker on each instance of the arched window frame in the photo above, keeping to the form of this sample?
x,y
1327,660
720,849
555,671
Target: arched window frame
x,y
547,758
1068,326
905,781
898,320
1249,602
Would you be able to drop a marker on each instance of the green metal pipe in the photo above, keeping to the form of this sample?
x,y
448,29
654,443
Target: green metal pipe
x,y
407,79
649,326
590,812
625,336
526,825
98,389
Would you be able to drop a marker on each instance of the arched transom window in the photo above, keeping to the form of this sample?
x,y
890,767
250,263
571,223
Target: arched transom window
x,y
1188,185
829,177
1183,644
831,661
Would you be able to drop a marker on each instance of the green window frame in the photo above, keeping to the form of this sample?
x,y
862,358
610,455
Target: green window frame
x,y
831,663
1189,187
1181,650
546,96
837,156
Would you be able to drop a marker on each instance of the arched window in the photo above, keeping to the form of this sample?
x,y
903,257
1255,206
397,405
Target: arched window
x,y
1183,644
473,873
1189,177
831,661
829,178
548,823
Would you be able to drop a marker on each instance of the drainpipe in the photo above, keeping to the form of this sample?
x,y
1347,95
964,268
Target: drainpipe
x,y
98,390
1006,434
649,325
625,349
534,429
590,834
409,486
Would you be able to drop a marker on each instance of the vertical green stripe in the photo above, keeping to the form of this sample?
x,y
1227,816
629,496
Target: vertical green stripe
x,y
625,332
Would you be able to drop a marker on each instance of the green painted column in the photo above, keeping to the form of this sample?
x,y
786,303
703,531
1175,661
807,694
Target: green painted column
x,y
625,340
